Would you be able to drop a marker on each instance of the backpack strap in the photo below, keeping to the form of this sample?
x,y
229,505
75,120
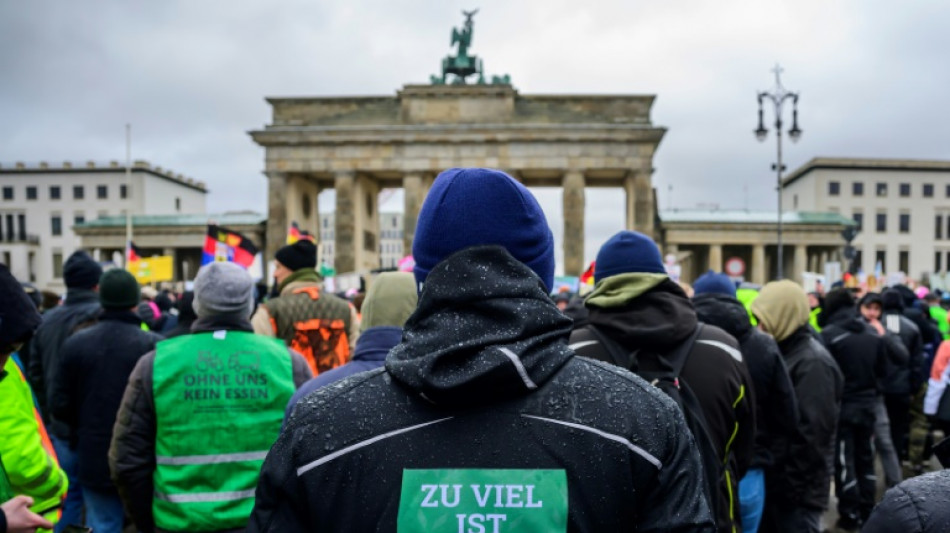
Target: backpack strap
x,y
678,357
617,355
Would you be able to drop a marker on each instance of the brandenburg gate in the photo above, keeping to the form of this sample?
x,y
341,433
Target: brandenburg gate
x,y
360,145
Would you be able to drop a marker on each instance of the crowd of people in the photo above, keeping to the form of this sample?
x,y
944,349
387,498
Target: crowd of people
x,y
466,396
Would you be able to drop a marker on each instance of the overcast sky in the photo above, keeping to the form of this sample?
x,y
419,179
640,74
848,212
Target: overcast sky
x,y
191,76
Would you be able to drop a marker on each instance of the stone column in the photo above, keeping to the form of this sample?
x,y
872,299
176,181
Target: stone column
x,y
344,246
643,216
414,193
573,184
758,264
799,265
277,222
715,257
630,201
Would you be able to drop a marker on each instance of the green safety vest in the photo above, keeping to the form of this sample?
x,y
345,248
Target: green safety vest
x,y
939,314
746,297
219,402
813,318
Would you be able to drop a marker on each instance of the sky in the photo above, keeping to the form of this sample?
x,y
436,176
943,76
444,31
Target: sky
x,y
191,77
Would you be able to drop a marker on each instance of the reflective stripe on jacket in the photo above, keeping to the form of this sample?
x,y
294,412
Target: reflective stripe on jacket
x,y
219,402
25,448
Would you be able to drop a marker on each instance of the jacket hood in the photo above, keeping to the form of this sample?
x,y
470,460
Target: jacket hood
x,y
907,294
620,290
390,301
374,343
724,312
847,318
658,319
782,308
485,330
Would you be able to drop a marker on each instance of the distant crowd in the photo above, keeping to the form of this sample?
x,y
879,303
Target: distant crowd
x,y
470,395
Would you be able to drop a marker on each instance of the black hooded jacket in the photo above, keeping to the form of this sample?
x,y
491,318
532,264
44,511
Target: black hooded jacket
x,y
482,381
776,410
918,505
903,379
860,353
801,474
658,321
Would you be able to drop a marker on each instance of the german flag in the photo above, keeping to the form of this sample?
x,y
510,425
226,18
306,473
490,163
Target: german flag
x,y
588,276
133,253
222,244
296,234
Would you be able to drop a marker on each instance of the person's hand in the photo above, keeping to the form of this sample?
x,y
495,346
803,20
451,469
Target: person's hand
x,y
19,517
876,324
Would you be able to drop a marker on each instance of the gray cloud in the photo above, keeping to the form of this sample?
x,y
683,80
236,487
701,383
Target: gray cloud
x,y
192,76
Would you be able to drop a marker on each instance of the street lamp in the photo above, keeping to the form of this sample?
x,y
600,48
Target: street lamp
x,y
778,96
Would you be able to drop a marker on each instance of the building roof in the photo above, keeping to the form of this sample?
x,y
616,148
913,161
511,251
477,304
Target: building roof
x,y
239,218
844,163
107,167
743,216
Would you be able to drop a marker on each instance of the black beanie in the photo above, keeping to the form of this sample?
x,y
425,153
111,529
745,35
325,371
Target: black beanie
x,y
299,255
834,301
892,300
81,272
872,298
119,290
18,316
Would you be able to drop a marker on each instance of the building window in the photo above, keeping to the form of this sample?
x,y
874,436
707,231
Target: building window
x,y
948,191
903,261
79,192
858,260
905,190
881,188
123,191
395,222
834,188
21,219
102,192
937,266
31,265
8,193
79,218
858,218
56,223
904,223
58,265
938,227
794,201
880,258
177,204
31,193
857,188
881,222
54,192
10,230
928,190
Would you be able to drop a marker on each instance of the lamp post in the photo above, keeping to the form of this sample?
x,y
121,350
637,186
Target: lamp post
x,y
778,96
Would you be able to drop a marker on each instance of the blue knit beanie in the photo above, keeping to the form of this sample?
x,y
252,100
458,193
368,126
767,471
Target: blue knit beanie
x,y
478,206
628,252
715,283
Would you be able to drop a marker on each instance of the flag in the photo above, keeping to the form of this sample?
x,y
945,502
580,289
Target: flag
x,y
296,234
222,244
587,277
132,253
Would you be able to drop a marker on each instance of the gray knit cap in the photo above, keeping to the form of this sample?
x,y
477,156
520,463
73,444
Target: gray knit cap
x,y
223,289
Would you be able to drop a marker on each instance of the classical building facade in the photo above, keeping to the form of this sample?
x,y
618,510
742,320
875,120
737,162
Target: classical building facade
x,y
902,208
390,239
712,239
180,236
41,204
359,145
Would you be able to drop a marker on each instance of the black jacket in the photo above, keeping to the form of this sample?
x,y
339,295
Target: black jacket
x,y
94,370
860,353
81,307
776,410
660,320
904,377
132,452
801,475
918,505
483,380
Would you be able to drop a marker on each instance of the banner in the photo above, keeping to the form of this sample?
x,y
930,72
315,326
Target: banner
x,y
153,269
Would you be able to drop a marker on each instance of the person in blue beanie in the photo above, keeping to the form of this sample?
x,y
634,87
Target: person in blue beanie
x,y
482,418
641,319
776,410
